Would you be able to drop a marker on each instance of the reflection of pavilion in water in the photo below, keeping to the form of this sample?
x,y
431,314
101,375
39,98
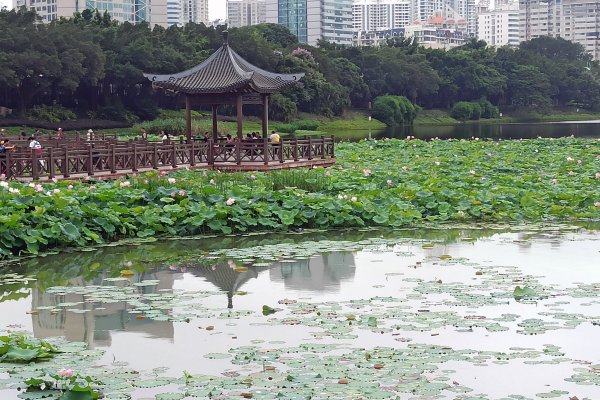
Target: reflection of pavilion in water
x,y
225,277
95,325
316,274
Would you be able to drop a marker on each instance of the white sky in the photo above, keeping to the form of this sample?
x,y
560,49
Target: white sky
x,y
216,8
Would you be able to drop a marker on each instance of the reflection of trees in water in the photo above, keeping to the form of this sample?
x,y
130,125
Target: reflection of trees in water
x,y
94,325
318,273
226,278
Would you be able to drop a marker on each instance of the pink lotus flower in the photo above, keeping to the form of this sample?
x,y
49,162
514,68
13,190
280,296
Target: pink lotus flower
x,y
354,199
181,193
597,204
171,181
570,158
212,182
173,194
163,173
597,175
555,181
2,176
253,177
461,214
56,191
230,201
54,180
389,182
70,187
472,172
39,188
125,184
437,163
65,372
367,172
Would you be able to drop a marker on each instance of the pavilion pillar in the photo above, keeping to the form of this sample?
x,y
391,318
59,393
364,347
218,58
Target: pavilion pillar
x,y
188,119
240,117
214,122
265,116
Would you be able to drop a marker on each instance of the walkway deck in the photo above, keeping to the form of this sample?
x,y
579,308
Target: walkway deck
x,y
111,159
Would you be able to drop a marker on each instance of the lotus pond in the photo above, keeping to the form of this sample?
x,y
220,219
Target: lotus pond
x,y
464,312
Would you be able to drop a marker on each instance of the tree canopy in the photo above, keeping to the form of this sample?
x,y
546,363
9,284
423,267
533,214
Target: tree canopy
x,y
93,65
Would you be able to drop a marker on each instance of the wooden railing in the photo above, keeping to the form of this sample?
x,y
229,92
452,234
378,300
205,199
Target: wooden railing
x,y
89,158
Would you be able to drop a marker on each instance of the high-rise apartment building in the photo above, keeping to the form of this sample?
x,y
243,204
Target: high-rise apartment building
x,y
194,11
133,11
425,9
246,12
467,10
499,26
574,20
377,15
173,12
311,20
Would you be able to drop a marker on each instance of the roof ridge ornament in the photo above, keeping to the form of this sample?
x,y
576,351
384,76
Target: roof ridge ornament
x,y
225,38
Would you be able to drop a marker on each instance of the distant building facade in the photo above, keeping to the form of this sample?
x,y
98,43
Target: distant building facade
x,y
246,12
311,20
134,11
574,20
499,26
376,15
194,11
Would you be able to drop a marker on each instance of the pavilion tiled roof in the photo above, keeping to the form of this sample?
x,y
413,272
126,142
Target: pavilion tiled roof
x,y
224,71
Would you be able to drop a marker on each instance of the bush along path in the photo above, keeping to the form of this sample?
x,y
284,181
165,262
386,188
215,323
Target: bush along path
x,y
395,183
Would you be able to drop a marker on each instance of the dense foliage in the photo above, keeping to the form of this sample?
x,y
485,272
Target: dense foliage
x,y
394,110
93,65
390,183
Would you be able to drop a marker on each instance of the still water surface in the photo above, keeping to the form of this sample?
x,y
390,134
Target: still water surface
x,y
415,283
483,130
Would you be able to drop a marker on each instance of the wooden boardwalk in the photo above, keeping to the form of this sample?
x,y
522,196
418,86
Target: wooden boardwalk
x,y
111,159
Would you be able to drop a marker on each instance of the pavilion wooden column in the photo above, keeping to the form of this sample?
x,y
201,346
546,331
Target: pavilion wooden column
x,y
240,117
188,119
214,122
265,116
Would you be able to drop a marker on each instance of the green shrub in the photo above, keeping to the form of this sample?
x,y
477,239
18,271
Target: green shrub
x,y
462,111
394,110
475,111
488,110
51,113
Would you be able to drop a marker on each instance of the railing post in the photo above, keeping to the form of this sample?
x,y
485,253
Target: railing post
x,y
113,160
7,168
209,152
134,164
51,172
323,147
332,152
35,166
174,156
155,156
65,169
280,150
238,152
90,161
295,150
192,153
77,137
309,154
266,151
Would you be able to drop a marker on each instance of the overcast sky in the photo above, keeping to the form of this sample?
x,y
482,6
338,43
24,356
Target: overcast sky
x,y
216,8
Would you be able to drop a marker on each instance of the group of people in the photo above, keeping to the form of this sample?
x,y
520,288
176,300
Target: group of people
x,y
273,138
